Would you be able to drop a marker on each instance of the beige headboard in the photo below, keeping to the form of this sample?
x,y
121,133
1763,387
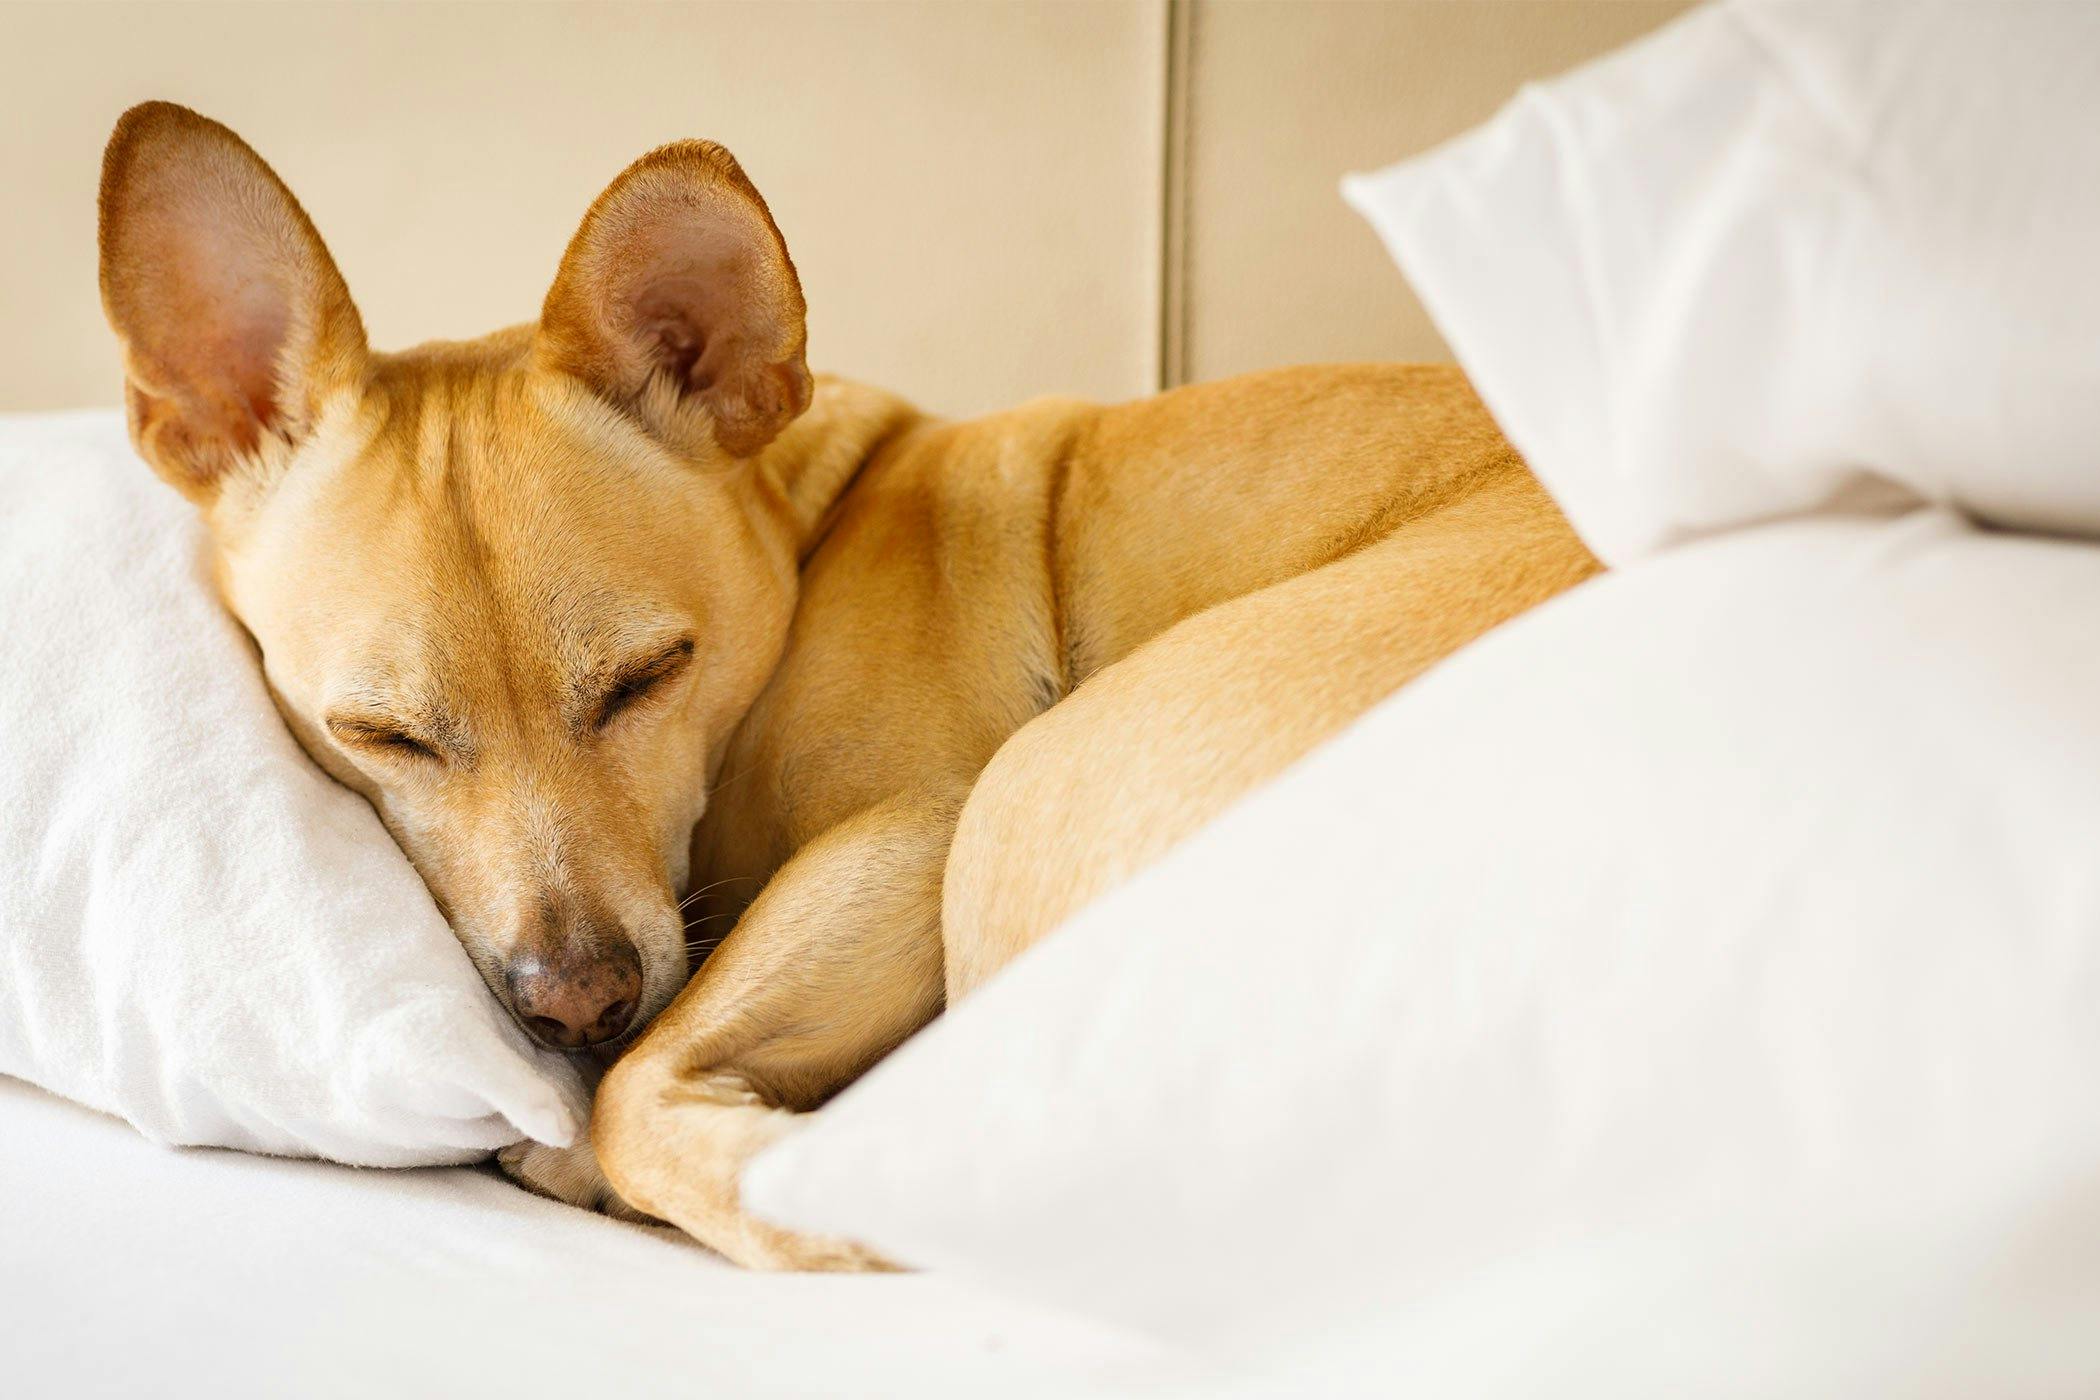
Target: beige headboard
x,y
987,201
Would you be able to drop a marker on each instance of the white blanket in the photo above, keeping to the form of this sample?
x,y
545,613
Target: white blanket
x,y
1690,988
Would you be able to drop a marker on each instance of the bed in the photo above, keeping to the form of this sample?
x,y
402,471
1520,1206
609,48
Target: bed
x,y
1687,988
129,1269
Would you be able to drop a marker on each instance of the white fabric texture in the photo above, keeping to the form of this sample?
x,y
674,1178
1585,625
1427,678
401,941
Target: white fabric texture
x,y
129,1271
1729,916
200,931
1780,255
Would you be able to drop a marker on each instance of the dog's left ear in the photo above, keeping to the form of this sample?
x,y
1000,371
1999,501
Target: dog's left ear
x,y
679,282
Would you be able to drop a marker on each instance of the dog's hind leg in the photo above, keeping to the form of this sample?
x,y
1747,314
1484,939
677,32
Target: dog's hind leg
x,y
835,963
1158,743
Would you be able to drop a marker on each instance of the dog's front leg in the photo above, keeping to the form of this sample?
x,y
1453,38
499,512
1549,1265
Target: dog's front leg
x,y
569,1174
835,963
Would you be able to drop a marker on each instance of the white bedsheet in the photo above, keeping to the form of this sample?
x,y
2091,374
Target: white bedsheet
x,y
128,1269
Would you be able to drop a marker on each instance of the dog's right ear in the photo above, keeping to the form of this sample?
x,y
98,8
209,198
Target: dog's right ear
x,y
234,321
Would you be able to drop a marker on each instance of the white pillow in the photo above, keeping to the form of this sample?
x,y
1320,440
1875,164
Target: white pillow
x,y
199,930
1783,255
1748,894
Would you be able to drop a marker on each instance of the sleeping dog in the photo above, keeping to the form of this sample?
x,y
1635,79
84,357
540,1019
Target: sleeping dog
x,y
627,603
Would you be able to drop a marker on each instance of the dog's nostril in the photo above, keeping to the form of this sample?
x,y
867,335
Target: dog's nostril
x,y
553,1032
615,1019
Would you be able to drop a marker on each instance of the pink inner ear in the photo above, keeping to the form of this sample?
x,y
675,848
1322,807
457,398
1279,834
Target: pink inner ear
x,y
704,315
678,274
695,303
671,320
254,338
700,309
222,318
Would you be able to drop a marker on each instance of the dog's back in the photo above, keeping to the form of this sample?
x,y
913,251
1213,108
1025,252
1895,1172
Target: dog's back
x,y
975,574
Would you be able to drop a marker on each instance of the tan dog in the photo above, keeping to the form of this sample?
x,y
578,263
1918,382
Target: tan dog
x,y
552,598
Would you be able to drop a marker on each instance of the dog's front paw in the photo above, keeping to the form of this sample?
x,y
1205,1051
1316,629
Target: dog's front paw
x,y
570,1175
761,1246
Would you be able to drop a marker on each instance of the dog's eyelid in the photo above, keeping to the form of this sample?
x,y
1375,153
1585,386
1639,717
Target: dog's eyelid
x,y
379,734
636,679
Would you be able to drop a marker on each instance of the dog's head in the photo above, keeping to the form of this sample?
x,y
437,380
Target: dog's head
x,y
516,591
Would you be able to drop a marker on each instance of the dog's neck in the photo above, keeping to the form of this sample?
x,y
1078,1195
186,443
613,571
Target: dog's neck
x,y
805,473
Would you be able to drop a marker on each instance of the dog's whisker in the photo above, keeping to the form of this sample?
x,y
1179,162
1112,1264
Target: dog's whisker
x,y
730,780
687,902
725,880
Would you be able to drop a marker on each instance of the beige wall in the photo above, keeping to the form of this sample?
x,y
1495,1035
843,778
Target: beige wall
x,y
969,190
987,200
1282,98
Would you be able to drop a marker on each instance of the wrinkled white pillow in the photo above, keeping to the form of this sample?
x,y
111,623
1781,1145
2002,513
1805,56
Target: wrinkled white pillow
x,y
1782,255
199,930
1744,900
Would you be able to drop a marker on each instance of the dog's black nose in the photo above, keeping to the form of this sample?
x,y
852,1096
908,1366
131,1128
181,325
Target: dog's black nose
x,y
586,997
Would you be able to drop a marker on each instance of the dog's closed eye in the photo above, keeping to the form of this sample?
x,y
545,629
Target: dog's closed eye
x,y
635,681
376,736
